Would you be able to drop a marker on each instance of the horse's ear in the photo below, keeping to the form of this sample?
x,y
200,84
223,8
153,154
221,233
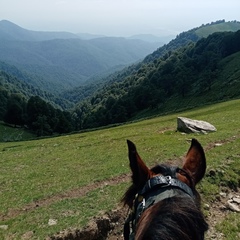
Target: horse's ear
x,y
195,163
140,172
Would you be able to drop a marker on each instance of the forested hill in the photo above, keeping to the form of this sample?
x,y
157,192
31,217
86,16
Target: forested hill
x,y
196,74
187,72
10,85
183,39
61,61
194,35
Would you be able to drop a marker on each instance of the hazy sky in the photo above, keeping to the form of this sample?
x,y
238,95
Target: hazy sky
x,y
117,17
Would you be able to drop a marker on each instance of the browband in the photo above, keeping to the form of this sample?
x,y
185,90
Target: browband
x,y
164,188
165,181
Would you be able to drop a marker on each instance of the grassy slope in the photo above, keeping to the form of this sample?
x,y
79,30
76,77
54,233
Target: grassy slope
x,y
230,76
34,170
8,133
221,27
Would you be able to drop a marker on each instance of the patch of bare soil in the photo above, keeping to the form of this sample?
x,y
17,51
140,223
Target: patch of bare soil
x,y
107,227
110,225
221,142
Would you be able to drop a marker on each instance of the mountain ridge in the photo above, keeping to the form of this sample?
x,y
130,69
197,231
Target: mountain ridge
x,y
14,32
63,63
175,78
183,39
188,72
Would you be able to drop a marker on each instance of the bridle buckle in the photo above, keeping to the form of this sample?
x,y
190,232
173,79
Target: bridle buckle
x,y
168,179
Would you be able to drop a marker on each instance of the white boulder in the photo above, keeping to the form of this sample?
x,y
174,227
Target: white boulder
x,y
188,125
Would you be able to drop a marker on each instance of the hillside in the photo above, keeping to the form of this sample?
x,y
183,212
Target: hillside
x,y
183,39
193,75
61,61
59,66
74,178
194,35
12,32
221,26
13,85
182,74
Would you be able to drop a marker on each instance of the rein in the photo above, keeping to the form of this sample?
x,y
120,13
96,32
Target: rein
x,y
155,190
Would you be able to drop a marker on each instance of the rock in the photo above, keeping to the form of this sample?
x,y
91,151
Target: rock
x,y
52,222
232,206
223,194
188,125
218,144
230,195
4,227
206,206
236,200
27,235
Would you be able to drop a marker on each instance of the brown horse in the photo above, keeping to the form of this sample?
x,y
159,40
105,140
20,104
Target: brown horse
x,y
165,204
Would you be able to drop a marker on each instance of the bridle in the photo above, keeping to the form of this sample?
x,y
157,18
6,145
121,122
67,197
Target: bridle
x,y
155,190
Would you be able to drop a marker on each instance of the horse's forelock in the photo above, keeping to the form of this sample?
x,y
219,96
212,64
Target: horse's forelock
x,y
173,218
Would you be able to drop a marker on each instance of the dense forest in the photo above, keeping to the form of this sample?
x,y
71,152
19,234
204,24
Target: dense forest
x,y
183,39
34,114
22,105
188,71
186,68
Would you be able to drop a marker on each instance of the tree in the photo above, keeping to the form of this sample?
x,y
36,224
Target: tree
x,y
15,110
63,122
35,107
41,126
38,111
4,96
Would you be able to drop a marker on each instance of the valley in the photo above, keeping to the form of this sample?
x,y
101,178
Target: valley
x,y
189,71
70,99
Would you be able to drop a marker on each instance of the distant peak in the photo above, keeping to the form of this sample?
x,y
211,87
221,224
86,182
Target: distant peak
x,y
4,20
6,23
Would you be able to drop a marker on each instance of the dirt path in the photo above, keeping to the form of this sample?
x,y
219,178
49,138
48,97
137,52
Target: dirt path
x,y
74,193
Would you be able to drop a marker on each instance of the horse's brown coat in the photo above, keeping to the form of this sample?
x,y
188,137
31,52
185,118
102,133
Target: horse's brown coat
x,y
179,217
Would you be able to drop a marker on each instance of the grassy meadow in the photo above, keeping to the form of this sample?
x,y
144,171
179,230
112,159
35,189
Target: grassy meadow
x,y
46,170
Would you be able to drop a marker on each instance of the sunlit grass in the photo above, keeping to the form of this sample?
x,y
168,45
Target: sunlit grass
x,y
68,213
39,169
230,226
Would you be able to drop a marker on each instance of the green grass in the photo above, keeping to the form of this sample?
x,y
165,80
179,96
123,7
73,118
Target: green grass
x,y
9,133
222,27
68,213
230,226
40,169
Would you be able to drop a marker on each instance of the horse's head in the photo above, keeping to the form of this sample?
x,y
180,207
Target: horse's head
x,y
152,188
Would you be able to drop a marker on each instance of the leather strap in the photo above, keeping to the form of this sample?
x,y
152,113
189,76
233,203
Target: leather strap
x,y
165,181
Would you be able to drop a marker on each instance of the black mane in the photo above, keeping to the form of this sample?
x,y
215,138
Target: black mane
x,y
176,218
